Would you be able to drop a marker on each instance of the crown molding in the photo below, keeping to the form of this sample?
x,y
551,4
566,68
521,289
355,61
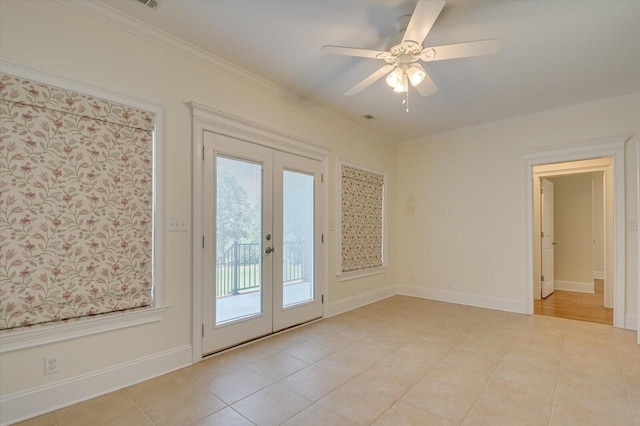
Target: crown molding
x,y
109,15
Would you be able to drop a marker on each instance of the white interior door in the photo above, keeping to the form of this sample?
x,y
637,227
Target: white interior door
x,y
547,243
261,241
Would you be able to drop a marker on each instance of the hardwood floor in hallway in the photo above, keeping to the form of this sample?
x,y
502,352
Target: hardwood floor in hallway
x,y
577,306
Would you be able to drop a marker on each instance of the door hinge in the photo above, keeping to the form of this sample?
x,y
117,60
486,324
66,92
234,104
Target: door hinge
x,y
202,330
203,152
322,238
541,234
203,241
321,178
542,278
322,298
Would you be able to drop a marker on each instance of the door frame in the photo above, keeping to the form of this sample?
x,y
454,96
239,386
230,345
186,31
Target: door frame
x,y
604,165
585,151
638,235
206,119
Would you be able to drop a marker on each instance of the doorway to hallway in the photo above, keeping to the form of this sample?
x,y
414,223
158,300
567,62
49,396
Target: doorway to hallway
x,y
615,237
578,306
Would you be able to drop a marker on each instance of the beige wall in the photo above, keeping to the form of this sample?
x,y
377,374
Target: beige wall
x,y
572,206
56,39
466,237
466,189
598,223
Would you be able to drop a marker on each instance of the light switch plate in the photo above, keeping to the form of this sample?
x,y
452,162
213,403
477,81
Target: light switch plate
x,y
178,224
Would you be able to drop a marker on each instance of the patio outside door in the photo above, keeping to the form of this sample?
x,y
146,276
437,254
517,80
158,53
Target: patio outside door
x,y
262,227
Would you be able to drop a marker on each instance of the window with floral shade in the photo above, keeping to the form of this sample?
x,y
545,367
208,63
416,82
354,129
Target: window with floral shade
x,y
361,221
76,205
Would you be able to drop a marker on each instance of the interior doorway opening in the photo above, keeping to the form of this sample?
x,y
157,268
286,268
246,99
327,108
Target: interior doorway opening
x,y
605,156
574,213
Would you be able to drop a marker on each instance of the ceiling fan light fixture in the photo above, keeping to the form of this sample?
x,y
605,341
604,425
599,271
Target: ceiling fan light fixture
x,y
403,86
416,74
395,78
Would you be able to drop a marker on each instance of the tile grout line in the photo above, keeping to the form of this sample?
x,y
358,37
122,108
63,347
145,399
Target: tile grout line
x,y
144,413
489,380
555,391
635,419
453,347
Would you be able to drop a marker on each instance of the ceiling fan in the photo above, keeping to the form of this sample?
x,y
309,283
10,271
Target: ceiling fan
x,y
402,59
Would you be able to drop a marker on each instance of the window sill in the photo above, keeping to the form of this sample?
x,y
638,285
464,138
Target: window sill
x,y
11,340
346,276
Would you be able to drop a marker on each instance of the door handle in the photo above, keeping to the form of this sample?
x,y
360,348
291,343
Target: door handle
x,y
268,250
554,243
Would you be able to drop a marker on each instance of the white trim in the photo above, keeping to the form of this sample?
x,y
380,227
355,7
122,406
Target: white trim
x,y
220,122
208,119
168,41
638,235
49,333
346,276
606,148
598,275
42,399
578,287
527,117
461,298
352,275
350,303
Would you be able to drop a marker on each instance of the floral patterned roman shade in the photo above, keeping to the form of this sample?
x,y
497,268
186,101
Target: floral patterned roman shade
x,y
76,180
362,198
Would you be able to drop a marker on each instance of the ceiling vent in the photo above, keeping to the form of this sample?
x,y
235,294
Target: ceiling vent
x,y
369,117
153,4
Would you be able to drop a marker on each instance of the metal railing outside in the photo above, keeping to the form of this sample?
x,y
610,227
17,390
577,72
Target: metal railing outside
x,y
239,270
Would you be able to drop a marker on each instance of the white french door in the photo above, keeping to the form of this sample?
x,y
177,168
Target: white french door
x,y
261,249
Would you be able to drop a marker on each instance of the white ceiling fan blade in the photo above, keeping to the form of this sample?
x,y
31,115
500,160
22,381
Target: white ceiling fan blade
x,y
354,51
424,15
427,87
370,80
461,50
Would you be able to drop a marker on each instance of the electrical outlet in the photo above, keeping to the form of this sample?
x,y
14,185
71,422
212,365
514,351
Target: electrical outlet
x,y
51,364
178,224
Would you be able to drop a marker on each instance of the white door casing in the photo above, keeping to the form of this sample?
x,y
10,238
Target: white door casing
x,y
207,119
545,161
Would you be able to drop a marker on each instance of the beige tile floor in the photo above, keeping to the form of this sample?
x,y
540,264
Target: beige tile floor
x,y
401,361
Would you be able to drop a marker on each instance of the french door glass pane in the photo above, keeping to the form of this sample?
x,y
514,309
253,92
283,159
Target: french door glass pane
x,y
238,239
298,238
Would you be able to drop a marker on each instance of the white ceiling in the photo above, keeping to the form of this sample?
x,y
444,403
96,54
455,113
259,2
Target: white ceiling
x,y
556,53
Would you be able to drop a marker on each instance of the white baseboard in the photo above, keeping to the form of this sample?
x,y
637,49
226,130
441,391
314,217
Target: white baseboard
x,y
631,321
43,399
344,305
577,286
598,275
445,295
